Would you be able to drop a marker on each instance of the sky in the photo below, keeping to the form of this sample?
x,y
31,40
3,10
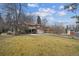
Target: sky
x,y
53,12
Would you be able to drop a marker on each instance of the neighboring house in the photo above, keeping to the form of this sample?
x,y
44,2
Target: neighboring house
x,y
77,26
70,30
35,28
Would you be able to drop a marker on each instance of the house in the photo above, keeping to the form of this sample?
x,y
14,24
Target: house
x,y
70,30
35,28
28,28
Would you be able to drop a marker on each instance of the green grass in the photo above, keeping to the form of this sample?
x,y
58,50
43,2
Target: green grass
x,y
35,45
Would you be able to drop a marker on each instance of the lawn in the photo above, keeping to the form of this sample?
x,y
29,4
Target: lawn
x,y
38,45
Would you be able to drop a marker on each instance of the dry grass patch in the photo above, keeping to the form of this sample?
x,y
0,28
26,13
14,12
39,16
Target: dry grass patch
x,y
38,45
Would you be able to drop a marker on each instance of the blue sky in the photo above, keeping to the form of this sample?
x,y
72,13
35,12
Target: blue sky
x,y
53,12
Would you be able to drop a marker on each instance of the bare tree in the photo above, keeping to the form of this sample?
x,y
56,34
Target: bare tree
x,y
73,7
58,29
1,24
14,15
44,24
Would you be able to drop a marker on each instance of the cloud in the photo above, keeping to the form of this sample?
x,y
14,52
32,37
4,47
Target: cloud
x,y
61,7
47,10
43,12
32,5
51,20
62,13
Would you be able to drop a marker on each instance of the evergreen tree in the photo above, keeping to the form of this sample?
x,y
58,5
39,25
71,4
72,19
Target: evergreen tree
x,y
38,20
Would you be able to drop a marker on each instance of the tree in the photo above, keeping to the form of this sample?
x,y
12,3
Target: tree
x,y
14,15
16,19
38,20
44,22
1,24
73,7
58,28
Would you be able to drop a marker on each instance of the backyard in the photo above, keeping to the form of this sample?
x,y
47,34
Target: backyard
x,y
38,45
